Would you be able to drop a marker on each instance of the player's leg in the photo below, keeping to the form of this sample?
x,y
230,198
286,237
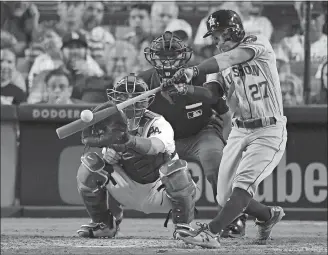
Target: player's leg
x,y
232,154
210,146
91,181
178,193
273,140
263,153
206,148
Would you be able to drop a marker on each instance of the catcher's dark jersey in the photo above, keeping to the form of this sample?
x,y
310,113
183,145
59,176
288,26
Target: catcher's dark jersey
x,y
187,116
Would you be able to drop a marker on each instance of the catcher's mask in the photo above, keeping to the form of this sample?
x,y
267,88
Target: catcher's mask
x,y
128,87
167,54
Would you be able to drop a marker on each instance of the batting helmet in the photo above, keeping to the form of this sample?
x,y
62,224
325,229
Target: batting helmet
x,y
228,22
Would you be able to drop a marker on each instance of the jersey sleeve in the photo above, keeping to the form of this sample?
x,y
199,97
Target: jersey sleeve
x,y
221,106
259,44
162,130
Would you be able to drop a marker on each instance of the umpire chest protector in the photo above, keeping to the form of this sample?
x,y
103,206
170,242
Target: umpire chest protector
x,y
187,116
144,168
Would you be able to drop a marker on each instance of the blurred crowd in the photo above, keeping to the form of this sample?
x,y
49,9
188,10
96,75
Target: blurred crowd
x,y
73,55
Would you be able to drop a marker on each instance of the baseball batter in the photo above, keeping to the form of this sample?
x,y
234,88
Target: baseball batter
x,y
249,79
139,168
201,125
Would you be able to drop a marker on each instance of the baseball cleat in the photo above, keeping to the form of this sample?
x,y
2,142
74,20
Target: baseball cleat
x,y
265,228
236,229
202,236
179,230
97,230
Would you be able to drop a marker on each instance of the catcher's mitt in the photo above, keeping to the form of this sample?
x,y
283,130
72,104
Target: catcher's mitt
x,y
111,130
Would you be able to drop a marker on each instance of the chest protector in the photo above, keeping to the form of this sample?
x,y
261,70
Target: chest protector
x,y
144,168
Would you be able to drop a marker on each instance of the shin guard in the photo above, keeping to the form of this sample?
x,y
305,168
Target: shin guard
x,y
180,189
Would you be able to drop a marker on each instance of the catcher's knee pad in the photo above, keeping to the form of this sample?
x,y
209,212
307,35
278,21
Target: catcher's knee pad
x,y
91,182
91,173
180,189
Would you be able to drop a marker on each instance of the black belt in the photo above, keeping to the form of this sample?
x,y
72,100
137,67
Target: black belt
x,y
256,123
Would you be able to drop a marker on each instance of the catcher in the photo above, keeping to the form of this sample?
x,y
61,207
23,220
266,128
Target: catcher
x,y
139,168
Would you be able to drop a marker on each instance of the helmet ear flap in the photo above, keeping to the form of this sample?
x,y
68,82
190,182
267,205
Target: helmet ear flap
x,y
240,35
237,34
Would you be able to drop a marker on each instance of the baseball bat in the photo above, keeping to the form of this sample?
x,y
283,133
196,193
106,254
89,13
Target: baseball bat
x,y
78,125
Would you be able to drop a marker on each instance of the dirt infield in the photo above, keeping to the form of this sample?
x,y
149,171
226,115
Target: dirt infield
x,y
148,236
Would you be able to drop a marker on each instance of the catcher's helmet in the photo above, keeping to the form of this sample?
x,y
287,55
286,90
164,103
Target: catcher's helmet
x,y
128,87
167,54
228,22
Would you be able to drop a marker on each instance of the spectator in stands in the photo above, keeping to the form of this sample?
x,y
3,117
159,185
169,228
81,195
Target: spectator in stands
x,y
121,60
70,16
76,57
254,24
140,36
21,19
100,41
24,64
59,87
181,29
292,89
323,75
291,50
10,93
51,58
139,22
77,62
161,15
9,41
93,15
7,38
99,38
95,89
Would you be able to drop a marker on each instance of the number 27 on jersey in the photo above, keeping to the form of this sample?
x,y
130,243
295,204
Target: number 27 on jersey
x,y
259,91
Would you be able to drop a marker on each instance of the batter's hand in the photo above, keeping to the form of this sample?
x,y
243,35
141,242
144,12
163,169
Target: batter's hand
x,y
184,75
175,89
111,156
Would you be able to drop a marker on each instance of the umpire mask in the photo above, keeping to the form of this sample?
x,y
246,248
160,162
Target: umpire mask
x,y
125,89
167,54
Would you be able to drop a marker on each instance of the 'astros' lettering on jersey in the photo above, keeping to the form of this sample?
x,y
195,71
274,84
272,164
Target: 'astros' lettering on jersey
x,y
254,87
